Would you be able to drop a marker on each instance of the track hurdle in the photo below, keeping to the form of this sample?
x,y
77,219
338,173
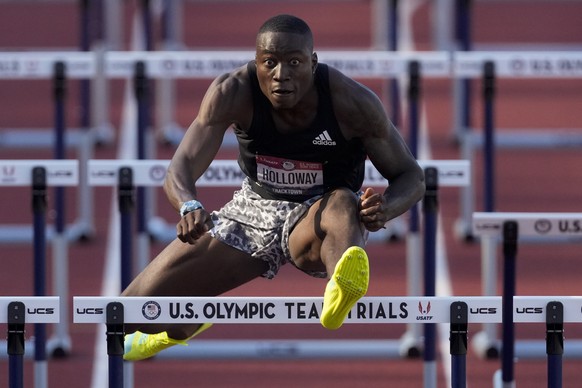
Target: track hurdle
x,y
511,227
277,310
39,175
59,67
490,66
458,311
17,311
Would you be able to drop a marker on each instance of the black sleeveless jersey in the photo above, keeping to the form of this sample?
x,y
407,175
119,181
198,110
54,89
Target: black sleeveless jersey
x,y
300,165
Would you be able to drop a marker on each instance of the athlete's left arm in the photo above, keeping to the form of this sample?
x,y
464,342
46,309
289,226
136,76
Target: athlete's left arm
x,y
363,116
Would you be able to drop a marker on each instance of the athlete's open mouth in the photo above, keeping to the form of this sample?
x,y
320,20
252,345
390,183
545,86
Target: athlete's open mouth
x,y
282,92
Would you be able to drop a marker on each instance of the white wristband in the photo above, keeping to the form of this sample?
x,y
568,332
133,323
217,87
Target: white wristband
x,y
190,206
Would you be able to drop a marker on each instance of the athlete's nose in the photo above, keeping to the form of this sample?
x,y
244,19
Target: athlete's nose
x,y
281,73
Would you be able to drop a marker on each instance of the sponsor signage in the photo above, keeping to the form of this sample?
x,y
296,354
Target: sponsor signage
x,y
282,310
377,64
556,64
192,64
378,310
58,172
38,309
40,65
530,224
145,172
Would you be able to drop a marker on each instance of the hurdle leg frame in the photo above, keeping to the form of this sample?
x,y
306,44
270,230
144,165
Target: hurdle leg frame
x,y
458,344
510,237
412,344
15,344
125,194
60,343
39,192
430,206
554,342
115,335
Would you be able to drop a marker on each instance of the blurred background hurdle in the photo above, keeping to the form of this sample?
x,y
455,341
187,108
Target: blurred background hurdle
x,y
490,67
39,175
59,67
509,228
16,312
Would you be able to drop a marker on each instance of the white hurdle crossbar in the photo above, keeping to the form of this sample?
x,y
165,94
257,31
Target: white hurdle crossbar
x,y
307,309
538,227
227,173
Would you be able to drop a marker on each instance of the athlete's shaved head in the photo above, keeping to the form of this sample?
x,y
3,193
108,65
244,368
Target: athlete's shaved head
x,y
287,24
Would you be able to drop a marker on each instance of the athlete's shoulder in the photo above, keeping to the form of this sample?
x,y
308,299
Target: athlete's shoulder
x,y
357,108
234,82
349,95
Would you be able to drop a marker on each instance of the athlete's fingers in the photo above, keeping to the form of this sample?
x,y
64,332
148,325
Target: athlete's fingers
x,y
367,193
192,226
372,210
371,203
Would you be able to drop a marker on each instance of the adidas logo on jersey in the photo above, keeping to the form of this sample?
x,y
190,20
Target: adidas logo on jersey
x,y
324,139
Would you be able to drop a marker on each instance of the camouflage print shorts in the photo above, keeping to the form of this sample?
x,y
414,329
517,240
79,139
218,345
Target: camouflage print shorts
x,y
260,227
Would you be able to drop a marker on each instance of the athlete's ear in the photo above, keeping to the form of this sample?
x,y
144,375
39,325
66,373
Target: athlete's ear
x,y
313,62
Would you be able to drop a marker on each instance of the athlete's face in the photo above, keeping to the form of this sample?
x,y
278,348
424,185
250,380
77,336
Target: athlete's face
x,y
285,67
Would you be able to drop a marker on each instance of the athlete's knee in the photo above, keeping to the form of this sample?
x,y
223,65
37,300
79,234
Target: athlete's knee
x,y
342,202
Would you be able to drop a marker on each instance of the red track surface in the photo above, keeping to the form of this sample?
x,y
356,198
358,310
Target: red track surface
x,y
528,180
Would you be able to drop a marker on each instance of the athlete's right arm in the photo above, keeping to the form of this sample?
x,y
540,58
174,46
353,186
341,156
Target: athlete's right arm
x,y
225,103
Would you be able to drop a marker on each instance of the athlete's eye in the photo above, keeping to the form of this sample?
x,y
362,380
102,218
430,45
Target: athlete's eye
x,y
294,62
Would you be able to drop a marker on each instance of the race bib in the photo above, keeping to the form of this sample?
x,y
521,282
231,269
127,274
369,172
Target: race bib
x,y
290,177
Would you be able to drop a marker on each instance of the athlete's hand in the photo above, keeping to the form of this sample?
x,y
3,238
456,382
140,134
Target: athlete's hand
x,y
193,226
372,210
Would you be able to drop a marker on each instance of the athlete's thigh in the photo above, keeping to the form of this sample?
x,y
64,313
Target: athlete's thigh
x,y
306,238
206,268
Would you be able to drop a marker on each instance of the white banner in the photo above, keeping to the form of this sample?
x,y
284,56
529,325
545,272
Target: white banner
x,y
378,310
516,64
546,225
282,309
40,65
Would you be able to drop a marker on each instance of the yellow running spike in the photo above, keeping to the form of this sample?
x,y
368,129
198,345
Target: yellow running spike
x,y
346,286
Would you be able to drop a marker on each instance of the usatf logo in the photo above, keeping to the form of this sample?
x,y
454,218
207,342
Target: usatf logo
x,y
424,312
8,174
151,310
324,139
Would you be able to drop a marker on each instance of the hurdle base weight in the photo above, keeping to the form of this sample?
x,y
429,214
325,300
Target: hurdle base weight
x,y
59,347
485,347
411,347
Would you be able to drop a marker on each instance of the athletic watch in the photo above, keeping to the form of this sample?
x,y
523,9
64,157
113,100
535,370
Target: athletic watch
x,y
190,206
